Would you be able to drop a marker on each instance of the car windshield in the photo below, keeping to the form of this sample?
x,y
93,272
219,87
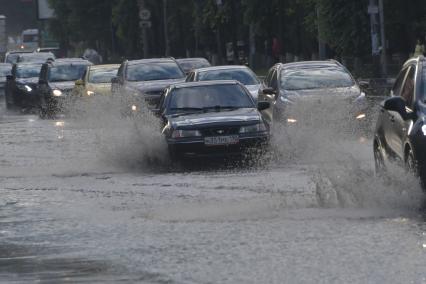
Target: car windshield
x,y
5,70
38,57
68,72
12,58
154,71
28,71
215,97
104,75
188,65
242,75
318,78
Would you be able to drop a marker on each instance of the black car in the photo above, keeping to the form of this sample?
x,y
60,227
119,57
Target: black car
x,y
216,118
188,64
21,85
5,70
143,81
56,83
299,92
400,133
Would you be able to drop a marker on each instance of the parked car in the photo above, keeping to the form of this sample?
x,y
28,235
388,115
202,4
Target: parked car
x,y
298,91
241,73
400,134
217,118
5,70
21,85
188,64
96,80
11,57
40,57
143,81
56,83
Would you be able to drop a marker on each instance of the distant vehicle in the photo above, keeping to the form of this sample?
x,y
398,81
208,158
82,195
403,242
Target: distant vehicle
x,y
56,83
217,118
13,55
400,134
96,80
146,80
188,64
36,57
30,39
5,70
304,86
240,73
21,85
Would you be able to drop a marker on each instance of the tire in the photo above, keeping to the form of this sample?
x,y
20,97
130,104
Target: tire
x,y
379,161
411,164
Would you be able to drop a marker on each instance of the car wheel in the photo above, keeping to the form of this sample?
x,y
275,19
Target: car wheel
x,y
379,161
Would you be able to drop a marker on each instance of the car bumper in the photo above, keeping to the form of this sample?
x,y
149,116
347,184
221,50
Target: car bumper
x,y
197,148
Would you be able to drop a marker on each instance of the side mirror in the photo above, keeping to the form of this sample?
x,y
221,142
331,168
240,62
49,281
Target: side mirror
x,y
263,105
396,104
9,77
79,82
269,91
115,80
364,84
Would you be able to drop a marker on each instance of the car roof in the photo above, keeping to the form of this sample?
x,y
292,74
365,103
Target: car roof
x,y
191,59
64,61
310,64
221,67
205,83
151,60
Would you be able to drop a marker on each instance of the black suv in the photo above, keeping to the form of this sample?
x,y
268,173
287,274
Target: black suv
x,y
56,83
400,133
145,80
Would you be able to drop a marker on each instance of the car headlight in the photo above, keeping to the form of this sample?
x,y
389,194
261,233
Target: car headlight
x,y
424,130
25,88
90,93
186,133
361,116
260,127
57,93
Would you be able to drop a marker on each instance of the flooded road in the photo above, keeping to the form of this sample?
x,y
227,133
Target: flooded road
x,y
90,201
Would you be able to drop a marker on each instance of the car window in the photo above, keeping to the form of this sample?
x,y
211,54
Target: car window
x,y
120,71
190,77
154,71
242,75
104,75
28,71
274,83
398,83
68,72
315,78
408,89
268,78
4,71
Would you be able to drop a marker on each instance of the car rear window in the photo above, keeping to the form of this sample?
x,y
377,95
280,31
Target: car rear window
x,y
242,75
154,71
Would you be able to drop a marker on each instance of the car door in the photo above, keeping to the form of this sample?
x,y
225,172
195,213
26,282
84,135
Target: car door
x,y
397,126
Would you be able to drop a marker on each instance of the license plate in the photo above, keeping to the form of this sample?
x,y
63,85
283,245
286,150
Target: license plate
x,y
221,140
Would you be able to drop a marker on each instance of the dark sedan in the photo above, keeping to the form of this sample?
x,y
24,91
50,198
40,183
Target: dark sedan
x,y
401,126
217,118
21,85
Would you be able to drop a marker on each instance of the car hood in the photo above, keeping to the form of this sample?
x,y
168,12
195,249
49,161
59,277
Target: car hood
x,y
27,81
243,116
68,85
254,90
153,86
104,88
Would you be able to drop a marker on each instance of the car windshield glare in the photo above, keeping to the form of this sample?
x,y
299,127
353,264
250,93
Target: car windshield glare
x,y
100,76
32,71
244,76
62,73
319,78
154,71
206,97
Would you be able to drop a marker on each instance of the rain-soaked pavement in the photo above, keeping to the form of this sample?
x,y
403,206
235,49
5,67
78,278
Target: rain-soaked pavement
x,y
94,200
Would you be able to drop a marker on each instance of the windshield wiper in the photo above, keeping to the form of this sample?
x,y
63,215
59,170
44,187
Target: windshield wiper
x,y
188,108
